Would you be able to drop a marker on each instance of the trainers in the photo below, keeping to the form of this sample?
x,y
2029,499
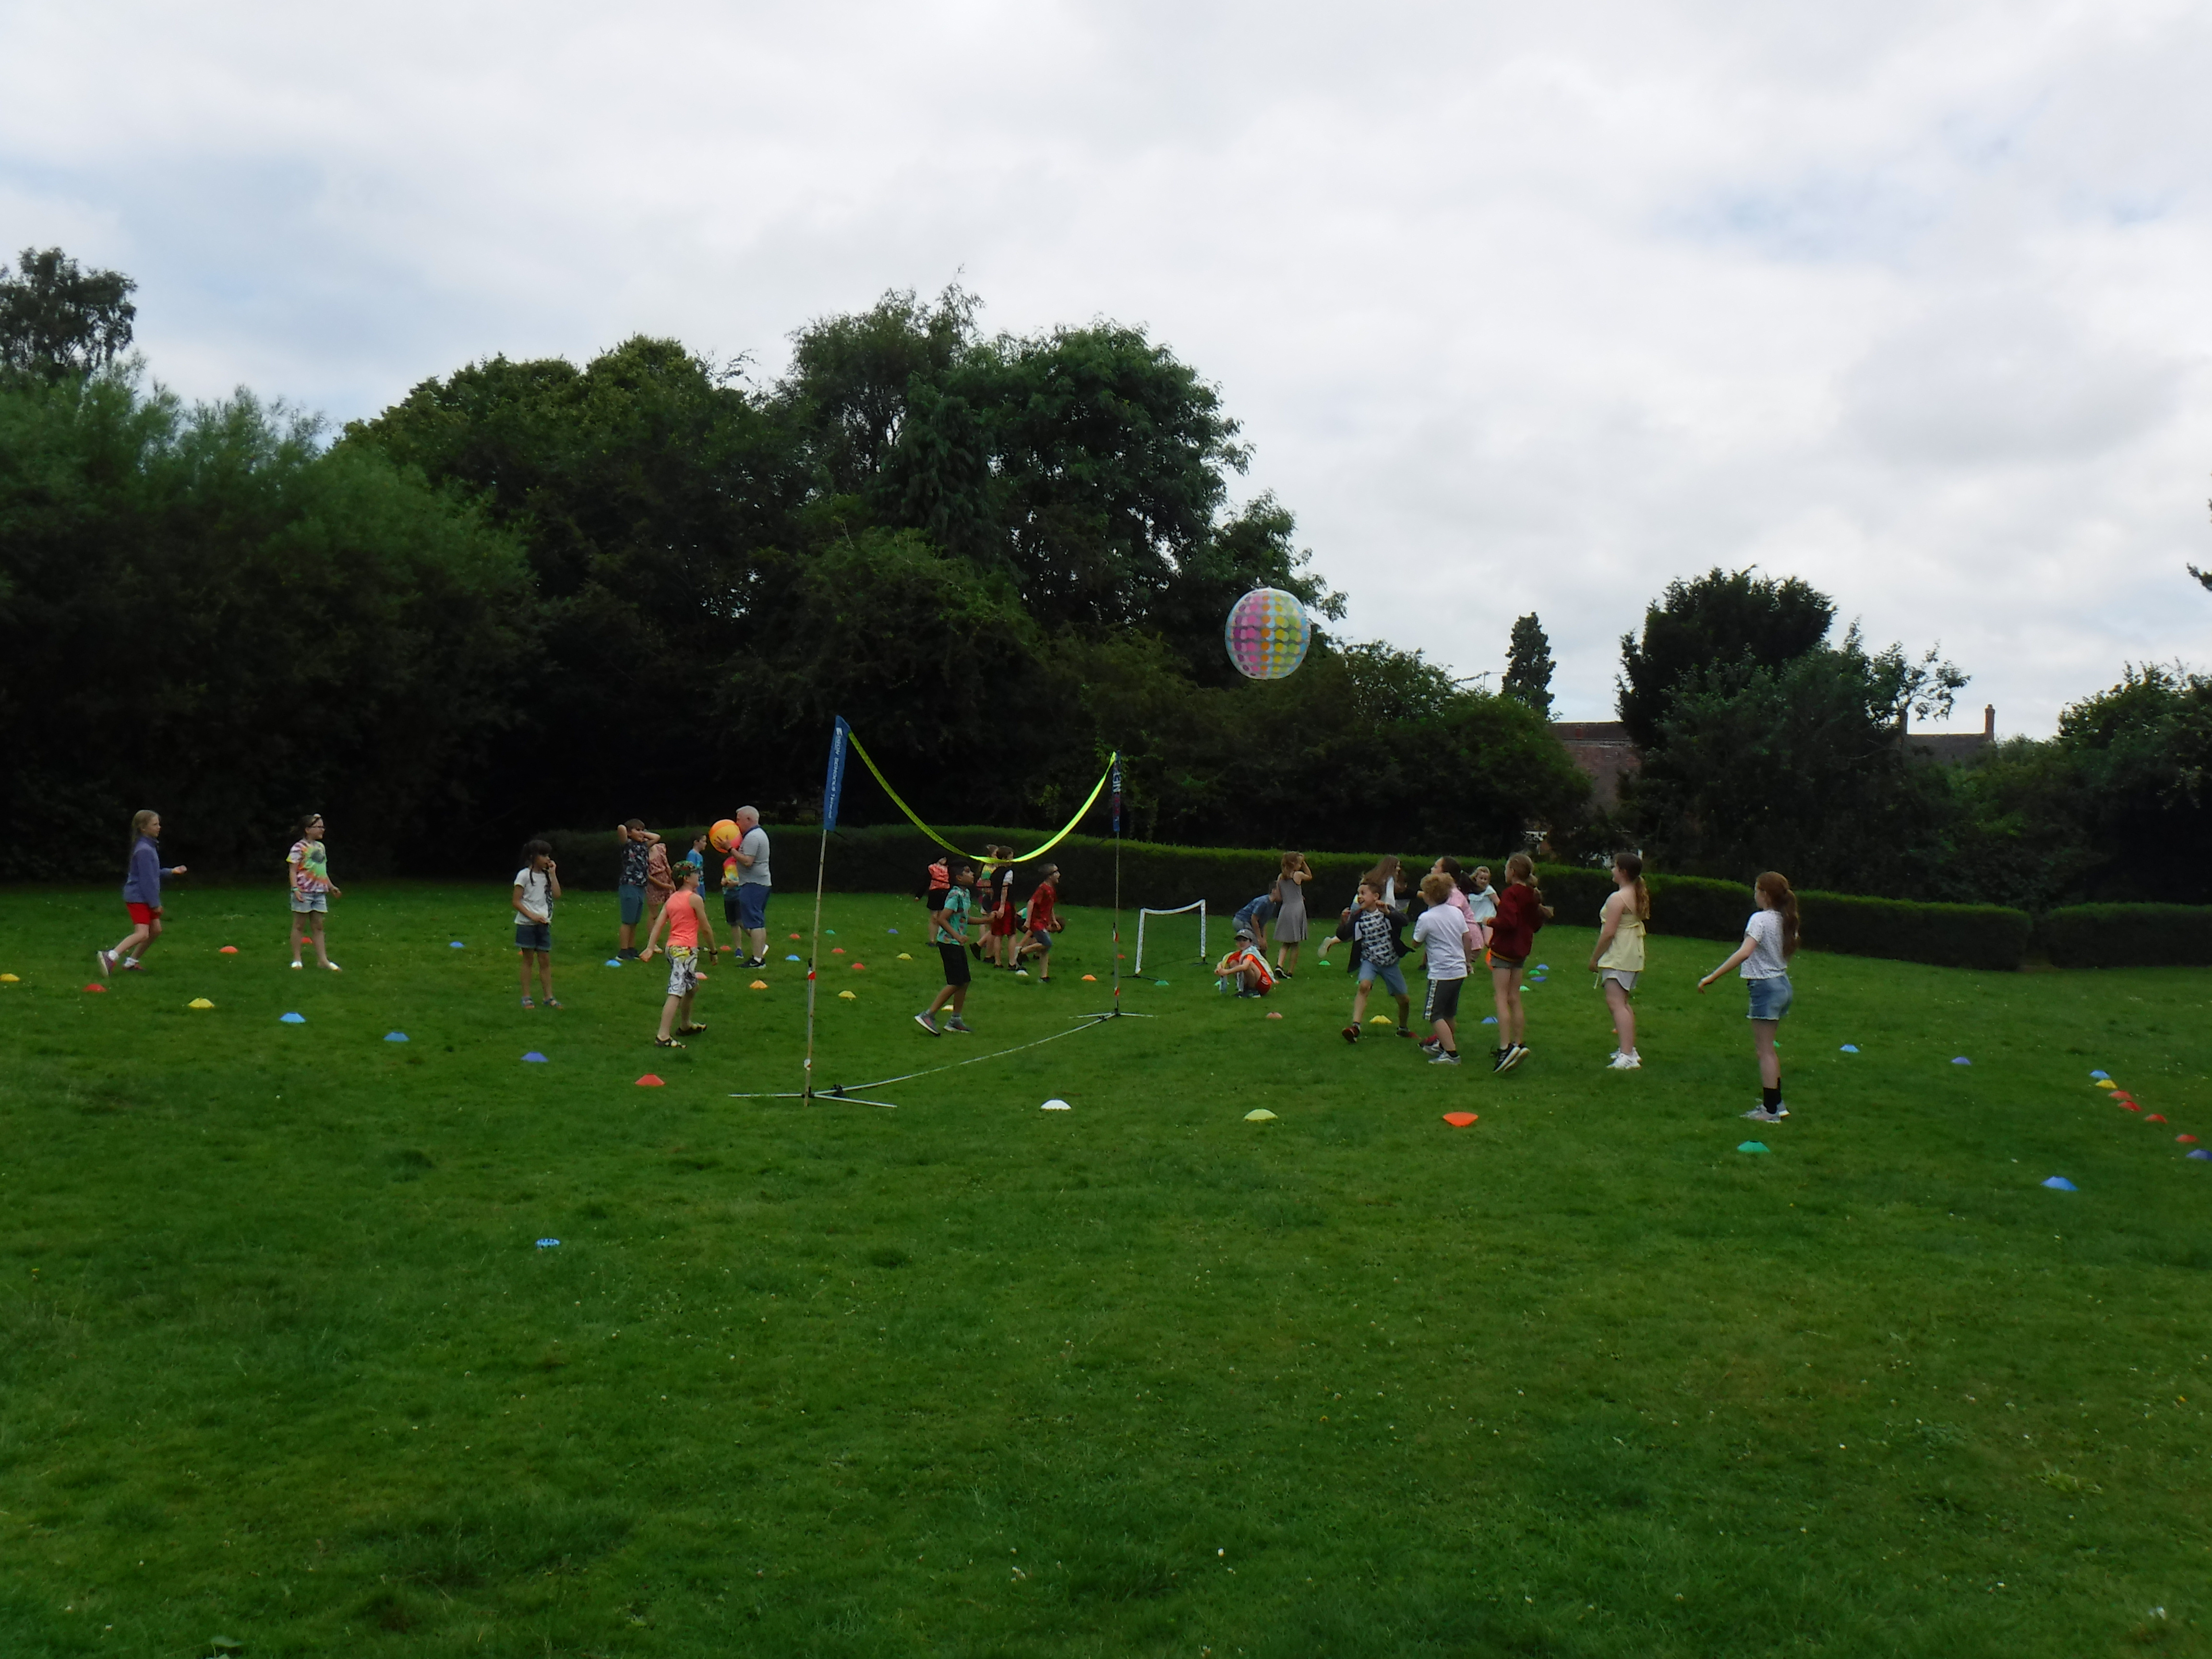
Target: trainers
x,y
1502,1058
1513,1057
1405,1030
107,960
1433,1046
956,1024
296,963
927,1024
1623,1062
756,961
527,1003
1351,1034
132,965
1780,1112
1442,1058
1760,1114
334,968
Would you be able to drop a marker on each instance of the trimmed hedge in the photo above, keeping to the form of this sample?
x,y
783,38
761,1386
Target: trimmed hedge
x,y
891,858
2128,935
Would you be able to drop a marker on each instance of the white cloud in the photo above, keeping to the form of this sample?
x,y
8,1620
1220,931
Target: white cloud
x,y
1521,310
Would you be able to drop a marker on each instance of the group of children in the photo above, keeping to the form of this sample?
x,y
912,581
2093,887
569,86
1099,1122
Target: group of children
x,y
957,899
1462,919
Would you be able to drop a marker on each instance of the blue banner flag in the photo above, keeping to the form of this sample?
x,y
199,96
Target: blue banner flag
x,y
1117,794
833,786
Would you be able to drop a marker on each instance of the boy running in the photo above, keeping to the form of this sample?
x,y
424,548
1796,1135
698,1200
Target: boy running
x,y
1443,931
1042,924
685,915
1375,945
949,933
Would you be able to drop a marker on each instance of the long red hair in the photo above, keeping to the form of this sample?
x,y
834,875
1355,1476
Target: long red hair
x,y
1774,888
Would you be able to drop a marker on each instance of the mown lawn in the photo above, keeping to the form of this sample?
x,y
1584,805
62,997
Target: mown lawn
x,y
282,1362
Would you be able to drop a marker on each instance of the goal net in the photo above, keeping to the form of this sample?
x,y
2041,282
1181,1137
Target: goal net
x,y
1197,905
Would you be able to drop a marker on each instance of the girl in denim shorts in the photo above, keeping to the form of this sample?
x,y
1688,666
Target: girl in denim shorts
x,y
1770,939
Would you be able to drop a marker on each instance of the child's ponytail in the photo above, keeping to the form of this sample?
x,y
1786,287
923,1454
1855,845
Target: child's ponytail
x,y
1774,888
1523,868
1632,865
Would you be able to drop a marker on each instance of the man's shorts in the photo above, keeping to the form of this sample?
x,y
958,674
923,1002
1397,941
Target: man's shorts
x,y
632,900
1443,999
1624,977
955,963
304,903
752,904
533,935
141,914
1769,998
1393,977
683,971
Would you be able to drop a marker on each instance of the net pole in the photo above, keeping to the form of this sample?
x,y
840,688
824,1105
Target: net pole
x,y
813,956
1117,889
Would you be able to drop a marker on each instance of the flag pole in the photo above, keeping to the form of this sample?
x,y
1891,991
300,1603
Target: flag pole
x,y
833,786
1117,886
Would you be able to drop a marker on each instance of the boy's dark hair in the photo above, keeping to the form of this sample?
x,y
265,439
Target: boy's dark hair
x,y
307,818
960,870
536,849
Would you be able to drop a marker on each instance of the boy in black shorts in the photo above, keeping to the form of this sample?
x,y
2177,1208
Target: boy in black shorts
x,y
949,933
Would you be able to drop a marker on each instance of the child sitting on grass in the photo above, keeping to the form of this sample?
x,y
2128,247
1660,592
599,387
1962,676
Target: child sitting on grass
x,y
1248,966
685,915
1375,948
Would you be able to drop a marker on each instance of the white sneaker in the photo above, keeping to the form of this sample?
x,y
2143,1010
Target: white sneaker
x,y
335,968
927,1024
1624,1061
1760,1114
296,963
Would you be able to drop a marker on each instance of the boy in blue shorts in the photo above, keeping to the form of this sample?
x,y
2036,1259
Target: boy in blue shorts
x,y
537,884
637,844
1374,946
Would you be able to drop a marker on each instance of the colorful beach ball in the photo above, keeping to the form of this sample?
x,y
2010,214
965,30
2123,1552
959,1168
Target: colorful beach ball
x,y
1267,633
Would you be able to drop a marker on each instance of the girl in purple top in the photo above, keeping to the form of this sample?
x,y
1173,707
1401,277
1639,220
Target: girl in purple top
x,y
141,895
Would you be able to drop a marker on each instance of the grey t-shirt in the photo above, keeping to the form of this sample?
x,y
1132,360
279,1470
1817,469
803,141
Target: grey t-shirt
x,y
754,846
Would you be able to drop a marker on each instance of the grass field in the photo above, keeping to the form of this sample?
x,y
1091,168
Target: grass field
x,y
284,1364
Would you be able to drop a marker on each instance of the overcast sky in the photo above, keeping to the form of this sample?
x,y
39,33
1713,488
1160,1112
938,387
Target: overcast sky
x,y
1521,308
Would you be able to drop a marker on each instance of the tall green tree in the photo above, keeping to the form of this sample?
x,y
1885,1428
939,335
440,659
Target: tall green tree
x,y
1712,622
1528,665
57,320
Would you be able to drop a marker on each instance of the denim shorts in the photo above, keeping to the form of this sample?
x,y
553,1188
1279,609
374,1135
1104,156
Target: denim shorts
x,y
308,903
1393,977
533,936
1770,997
632,900
752,904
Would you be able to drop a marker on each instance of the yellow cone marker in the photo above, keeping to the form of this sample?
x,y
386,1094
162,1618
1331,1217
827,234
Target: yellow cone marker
x,y
760,984
844,996
199,1002
1378,1019
903,956
1259,1115
10,979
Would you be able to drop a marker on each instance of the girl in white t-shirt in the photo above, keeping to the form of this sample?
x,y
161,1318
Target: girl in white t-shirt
x,y
1770,939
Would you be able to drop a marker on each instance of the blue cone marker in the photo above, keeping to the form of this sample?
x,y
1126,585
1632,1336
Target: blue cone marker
x,y
456,945
1962,1061
614,962
1850,1047
2062,1184
395,1036
2107,1076
547,1243
791,958
535,1057
292,1020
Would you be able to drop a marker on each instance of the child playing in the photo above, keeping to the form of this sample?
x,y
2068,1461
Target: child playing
x,y
1442,931
1290,912
637,845
659,879
685,914
537,884
1770,939
994,901
312,888
1375,948
948,931
1256,915
1521,912
141,895
1042,923
1618,957
1481,907
1248,966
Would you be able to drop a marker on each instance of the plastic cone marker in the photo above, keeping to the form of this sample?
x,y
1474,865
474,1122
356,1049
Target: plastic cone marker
x,y
1378,1019
759,985
549,1243
2186,1139
614,962
1850,1049
395,1036
2105,1075
2060,1183
1259,1115
1460,1120
649,1081
96,986
535,1058
2129,1106
227,951
292,1020
2154,1118
1962,1061
791,958
2107,1083
202,1002
1090,979
1274,1013
860,967
845,996
1055,1104
1490,1019
10,979
794,936
831,931
1162,983
905,956
837,950
2201,1152
456,945
1751,1146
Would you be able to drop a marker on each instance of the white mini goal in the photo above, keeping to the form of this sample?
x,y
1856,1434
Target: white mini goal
x,y
1197,905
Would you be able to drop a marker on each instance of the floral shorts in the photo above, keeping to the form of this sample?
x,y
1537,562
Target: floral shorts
x,y
683,971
